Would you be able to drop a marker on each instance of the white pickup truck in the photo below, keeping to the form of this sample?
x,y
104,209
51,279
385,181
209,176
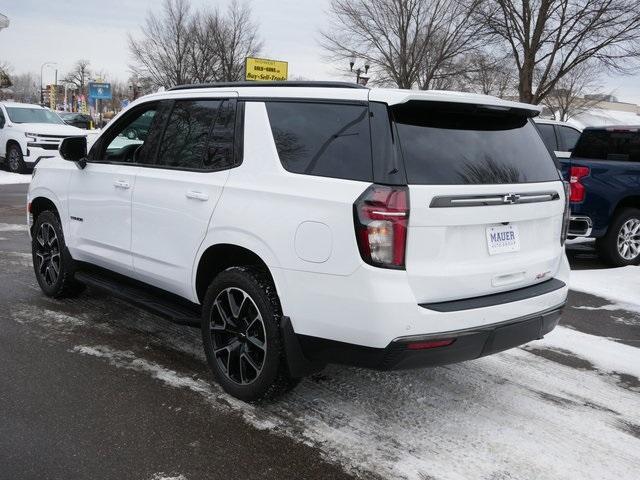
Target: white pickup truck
x,y
30,133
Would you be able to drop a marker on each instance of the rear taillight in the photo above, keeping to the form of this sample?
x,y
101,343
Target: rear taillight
x,y
577,189
381,216
430,344
566,217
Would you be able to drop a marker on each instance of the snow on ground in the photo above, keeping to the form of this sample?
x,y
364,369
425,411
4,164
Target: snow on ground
x,y
8,178
620,285
515,415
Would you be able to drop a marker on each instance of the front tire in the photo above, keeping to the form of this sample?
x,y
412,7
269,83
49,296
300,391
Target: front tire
x,y
241,335
621,245
51,261
15,159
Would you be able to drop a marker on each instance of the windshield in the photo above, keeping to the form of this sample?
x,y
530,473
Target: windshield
x,y
32,115
447,144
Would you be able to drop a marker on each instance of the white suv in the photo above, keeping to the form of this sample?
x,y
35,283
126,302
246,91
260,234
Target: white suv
x,y
29,134
306,223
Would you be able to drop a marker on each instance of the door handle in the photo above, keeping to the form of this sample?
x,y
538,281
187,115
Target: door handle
x,y
197,195
121,184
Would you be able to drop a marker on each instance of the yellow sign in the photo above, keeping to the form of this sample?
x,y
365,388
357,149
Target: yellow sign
x,y
264,70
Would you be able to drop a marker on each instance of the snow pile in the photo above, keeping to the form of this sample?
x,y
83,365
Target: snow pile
x,y
620,285
597,117
8,178
511,415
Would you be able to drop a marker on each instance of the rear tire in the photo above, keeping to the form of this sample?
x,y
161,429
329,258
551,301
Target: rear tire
x,y
621,245
241,335
15,159
51,261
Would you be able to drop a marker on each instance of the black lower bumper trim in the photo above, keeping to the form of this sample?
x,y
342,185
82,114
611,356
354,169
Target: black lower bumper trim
x,y
536,290
468,344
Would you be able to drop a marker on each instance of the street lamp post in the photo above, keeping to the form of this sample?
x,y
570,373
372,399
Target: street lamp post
x,y
41,69
360,79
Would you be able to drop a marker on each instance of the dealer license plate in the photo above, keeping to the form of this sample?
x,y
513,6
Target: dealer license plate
x,y
503,239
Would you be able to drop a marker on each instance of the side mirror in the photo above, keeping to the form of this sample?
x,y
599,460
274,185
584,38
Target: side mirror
x,y
74,149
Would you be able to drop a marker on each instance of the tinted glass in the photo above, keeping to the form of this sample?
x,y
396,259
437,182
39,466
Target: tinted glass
x,y
220,151
623,145
327,140
184,143
447,144
131,139
548,135
1,119
32,115
569,137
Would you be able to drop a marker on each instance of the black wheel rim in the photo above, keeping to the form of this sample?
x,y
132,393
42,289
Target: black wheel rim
x,y
47,253
238,336
14,160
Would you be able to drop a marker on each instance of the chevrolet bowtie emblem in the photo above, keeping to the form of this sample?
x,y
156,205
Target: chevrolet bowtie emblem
x,y
511,198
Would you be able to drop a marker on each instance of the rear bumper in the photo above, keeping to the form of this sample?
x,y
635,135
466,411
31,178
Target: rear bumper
x,y
468,344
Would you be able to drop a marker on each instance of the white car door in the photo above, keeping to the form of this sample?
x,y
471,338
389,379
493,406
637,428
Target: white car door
x,y
175,197
100,194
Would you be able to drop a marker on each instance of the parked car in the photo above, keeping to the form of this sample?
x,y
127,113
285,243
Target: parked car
x,y
300,224
559,137
77,119
30,133
604,173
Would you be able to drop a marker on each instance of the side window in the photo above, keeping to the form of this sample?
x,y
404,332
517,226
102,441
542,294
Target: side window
x,y
328,140
132,139
569,137
220,150
2,121
184,143
548,136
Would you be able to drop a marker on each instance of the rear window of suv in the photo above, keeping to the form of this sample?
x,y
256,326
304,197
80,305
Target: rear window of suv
x,y
457,144
323,139
609,144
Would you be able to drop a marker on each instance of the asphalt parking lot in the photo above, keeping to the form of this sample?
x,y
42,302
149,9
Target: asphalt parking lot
x,y
94,388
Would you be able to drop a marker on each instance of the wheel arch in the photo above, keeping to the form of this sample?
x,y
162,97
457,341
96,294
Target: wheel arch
x,y
632,201
41,203
218,257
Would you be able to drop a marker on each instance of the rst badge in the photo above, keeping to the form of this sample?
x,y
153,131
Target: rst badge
x,y
503,239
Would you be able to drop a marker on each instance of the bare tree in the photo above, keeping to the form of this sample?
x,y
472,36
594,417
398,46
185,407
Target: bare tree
x,y
185,47
79,76
408,42
575,93
491,75
163,52
550,38
26,88
235,39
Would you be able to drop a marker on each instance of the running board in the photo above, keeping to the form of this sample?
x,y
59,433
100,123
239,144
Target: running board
x,y
156,301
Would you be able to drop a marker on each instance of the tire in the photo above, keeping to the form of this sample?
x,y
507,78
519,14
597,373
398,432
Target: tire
x,y
621,245
52,264
15,160
241,335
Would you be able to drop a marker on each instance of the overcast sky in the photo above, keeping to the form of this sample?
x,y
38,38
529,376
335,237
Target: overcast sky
x,y
66,30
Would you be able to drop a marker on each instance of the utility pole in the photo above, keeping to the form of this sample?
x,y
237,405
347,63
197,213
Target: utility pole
x,y
41,92
360,79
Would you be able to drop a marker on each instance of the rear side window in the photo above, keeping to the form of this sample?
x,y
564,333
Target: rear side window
x,y
621,145
569,137
548,134
449,144
328,140
184,144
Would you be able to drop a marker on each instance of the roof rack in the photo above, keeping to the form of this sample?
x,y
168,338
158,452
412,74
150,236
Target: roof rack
x,y
309,84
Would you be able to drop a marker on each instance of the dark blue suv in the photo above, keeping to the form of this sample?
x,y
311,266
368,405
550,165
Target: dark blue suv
x,y
604,173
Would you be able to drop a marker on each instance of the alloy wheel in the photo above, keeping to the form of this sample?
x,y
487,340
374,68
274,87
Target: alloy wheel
x,y
629,239
14,160
47,251
238,335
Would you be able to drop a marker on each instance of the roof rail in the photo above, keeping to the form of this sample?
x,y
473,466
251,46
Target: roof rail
x,y
310,84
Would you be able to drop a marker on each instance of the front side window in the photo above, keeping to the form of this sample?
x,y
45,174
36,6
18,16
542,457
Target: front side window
x,y
33,115
457,144
133,140
186,136
328,140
